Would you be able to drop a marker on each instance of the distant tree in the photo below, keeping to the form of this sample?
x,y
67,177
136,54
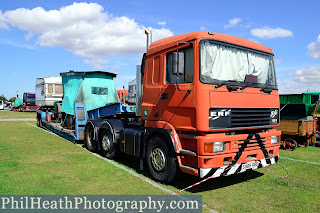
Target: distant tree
x,y
3,98
12,99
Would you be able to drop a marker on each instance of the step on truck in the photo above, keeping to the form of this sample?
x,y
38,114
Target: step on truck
x,y
206,103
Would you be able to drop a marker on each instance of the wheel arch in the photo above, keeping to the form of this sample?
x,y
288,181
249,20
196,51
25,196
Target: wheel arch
x,y
152,132
114,126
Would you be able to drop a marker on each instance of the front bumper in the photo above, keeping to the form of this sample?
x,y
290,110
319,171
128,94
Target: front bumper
x,y
237,168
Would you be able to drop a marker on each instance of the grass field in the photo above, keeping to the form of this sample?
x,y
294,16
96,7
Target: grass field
x,y
33,161
13,114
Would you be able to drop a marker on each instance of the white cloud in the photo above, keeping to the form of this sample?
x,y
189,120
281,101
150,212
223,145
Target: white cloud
x,y
254,40
96,60
232,23
97,63
3,24
310,75
115,67
100,64
162,23
28,36
267,32
314,49
304,79
203,28
84,29
277,61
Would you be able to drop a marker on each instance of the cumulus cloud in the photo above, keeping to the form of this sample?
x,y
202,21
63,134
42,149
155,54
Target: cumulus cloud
x,y
232,23
302,80
3,24
267,32
309,75
162,23
84,29
314,49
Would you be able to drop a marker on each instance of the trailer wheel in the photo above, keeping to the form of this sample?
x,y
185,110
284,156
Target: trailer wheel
x,y
161,161
289,144
108,148
90,143
39,122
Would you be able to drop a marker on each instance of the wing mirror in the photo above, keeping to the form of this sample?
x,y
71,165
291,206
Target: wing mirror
x,y
177,63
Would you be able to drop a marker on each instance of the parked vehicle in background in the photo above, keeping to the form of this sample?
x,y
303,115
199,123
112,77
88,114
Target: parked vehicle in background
x,y
17,104
7,105
1,104
27,104
49,92
300,123
205,103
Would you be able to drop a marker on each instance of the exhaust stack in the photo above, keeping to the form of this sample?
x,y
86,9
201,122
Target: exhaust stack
x,y
149,37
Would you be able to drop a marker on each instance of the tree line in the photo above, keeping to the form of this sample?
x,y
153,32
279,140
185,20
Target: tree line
x,y
3,98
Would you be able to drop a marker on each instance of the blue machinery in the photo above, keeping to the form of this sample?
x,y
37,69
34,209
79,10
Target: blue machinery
x,y
81,116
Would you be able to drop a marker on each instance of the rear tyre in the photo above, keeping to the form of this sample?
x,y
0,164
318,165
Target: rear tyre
x,y
161,161
90,143
108,147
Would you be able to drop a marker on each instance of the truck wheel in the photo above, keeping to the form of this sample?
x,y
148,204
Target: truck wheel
x,y
108,148
90,143
289,144
161,161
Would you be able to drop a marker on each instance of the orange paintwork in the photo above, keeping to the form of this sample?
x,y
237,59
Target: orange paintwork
x,y
186,113
120,94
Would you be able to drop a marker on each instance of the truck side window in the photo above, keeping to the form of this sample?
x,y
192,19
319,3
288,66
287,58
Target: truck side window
x,y
188,67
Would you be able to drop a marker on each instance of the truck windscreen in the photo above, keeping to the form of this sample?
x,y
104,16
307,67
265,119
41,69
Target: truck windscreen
x,y
31,99
223,64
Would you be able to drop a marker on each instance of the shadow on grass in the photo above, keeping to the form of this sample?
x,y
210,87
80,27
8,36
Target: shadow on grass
x,y
184,180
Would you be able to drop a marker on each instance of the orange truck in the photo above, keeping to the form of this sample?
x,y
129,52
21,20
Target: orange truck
x,y
207,104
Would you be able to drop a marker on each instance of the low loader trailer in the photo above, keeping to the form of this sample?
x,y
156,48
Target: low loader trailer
x,y
206,103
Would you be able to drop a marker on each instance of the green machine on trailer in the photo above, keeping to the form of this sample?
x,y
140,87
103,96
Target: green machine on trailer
x,y
310,100
82,92
299,119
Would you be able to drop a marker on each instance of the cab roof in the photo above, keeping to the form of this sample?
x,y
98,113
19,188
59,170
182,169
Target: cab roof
x,y
173,40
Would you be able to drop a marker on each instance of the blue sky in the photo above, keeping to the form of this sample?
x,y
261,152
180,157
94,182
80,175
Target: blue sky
x,y
43,38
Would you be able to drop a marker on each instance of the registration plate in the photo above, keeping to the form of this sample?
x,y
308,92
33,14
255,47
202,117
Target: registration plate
x,y
249,165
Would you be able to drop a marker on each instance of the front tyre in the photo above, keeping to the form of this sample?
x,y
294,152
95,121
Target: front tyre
x,y
161,161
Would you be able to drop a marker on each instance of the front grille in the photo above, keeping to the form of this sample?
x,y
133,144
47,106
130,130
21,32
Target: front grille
x,y
251,143
250,117
235,118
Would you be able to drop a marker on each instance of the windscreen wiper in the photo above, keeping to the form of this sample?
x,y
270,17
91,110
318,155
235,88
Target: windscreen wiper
x,y
266,90
229,87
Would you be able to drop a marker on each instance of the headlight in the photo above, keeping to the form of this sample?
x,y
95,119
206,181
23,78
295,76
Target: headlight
x,y
274,139
214,147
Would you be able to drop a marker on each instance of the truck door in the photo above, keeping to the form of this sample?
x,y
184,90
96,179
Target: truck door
x,y
177,107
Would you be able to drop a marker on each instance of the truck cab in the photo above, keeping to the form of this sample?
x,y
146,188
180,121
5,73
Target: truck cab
x,y
217,96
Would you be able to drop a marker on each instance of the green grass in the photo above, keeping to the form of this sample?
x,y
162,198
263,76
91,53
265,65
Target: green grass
x,y
13,114
35,162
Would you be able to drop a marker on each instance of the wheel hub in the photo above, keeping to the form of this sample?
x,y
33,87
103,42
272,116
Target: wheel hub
x,y
106,143
158,159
